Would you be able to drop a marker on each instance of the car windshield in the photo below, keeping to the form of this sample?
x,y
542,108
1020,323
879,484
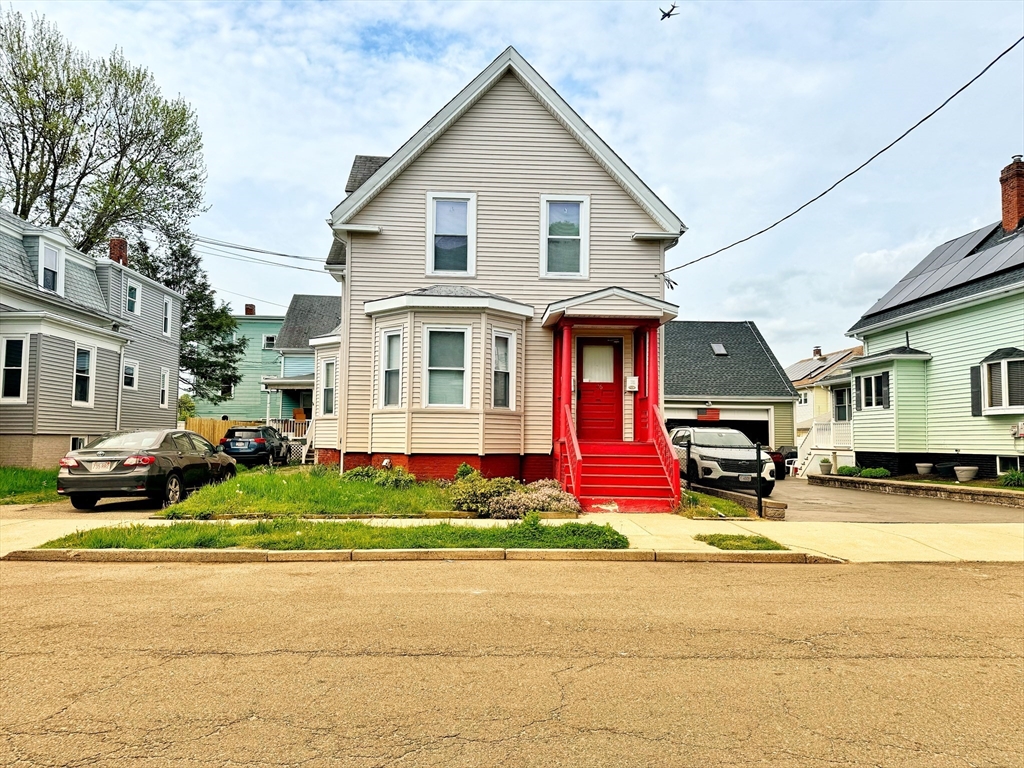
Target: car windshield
x,y
723,439
128,441
244,434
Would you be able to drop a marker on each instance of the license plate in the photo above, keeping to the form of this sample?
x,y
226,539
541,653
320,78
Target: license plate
x,y
237,444
746,478
102,466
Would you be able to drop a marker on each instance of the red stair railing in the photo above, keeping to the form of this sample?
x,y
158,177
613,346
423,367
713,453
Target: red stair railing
x,y
669,461
574,456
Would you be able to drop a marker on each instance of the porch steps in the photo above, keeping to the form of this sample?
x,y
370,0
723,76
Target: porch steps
x,y
630,475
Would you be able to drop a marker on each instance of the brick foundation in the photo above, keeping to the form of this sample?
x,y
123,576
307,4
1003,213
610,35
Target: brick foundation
x,y
437,466
328,456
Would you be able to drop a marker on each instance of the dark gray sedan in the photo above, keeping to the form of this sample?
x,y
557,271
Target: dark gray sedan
x,y
163,465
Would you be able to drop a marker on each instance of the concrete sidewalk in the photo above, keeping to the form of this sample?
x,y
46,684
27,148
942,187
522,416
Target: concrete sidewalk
x,y
856,542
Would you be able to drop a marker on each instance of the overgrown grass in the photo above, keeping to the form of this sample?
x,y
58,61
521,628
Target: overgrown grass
x,y
985,482
738,541
28,486
306,534
710,506
264,493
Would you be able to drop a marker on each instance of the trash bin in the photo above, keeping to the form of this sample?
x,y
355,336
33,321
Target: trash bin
x,y
945,469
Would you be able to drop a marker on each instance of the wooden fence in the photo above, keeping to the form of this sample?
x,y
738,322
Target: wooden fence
x,y
214,429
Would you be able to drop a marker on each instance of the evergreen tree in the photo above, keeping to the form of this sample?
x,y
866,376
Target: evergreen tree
x,y
209,352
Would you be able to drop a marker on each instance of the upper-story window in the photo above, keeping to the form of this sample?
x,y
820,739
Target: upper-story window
x,y
13,359
166,328
130,374
565,236
133,298
85,361
451,233
51,269
1004,386
269,341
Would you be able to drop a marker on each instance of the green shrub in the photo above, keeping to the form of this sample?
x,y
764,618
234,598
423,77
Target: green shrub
x,y
1012,478
367,473
541,496
390,477
322,470
464,471
876,472
474,492
848,471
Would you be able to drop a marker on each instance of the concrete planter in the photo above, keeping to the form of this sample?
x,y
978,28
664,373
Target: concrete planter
x,y
825,467
965,474
924,469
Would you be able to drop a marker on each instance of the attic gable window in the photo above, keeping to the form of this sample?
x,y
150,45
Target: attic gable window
x,y
51,268
451,233
719,349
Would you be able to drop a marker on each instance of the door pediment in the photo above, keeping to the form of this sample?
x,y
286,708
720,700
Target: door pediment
x,y
611,303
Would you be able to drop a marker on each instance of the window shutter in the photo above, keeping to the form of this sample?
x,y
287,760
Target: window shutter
x,y
856,393
885,390
975,390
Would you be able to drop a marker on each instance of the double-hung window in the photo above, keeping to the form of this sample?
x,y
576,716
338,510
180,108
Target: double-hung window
x,y
565,236
51,268
451,233
1004,386
130,375
327,388
446,366
132,298
85,360
227,391
842,404
269,341
165,386
13,354
502,391
391,369
166,328
873,391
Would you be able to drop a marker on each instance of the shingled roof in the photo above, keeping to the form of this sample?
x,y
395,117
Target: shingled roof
x,y
307,318
813,369
363,167
338,256
748,368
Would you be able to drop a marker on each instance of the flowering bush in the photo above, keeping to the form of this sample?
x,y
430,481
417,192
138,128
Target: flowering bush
x,y
392,477
474,492
541,496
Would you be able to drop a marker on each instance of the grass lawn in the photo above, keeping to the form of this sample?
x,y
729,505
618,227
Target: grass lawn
x,y
710,506
306,534
737,541
989,482
28,486
299,492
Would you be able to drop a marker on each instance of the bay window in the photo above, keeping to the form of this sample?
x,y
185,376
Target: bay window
x,y
874,391
502,395
446,366
327,388
391,372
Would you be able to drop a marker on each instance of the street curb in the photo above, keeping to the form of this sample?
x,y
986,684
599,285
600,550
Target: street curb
x,y
999,497
347,555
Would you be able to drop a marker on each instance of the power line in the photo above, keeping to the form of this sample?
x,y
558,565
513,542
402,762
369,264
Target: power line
x,y
884,149
237,246
254,260
254,298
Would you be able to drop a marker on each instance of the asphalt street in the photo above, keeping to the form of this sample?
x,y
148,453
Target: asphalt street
x,y
511,663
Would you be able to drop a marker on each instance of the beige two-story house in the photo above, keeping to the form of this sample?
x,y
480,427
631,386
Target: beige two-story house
x,y
501,302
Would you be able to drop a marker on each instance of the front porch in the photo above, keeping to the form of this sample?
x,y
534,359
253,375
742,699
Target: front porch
x,y
611,448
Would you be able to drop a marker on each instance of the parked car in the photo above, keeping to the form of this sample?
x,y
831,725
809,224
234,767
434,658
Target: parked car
x,y
723,457
255,445
160,464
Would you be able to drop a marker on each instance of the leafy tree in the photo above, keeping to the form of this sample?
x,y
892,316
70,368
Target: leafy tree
x,y
91,145
209,352
186,407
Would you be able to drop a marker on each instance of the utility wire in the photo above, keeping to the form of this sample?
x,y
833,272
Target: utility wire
x,y
254,260
814,199
254,298
236,246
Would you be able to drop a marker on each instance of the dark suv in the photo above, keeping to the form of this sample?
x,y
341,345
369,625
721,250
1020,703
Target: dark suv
x,y
256,445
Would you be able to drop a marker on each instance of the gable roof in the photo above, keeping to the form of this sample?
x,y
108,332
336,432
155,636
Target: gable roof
x,y
307,318
509,61
749,369
363,167
959,269
338,256
448,297
813,369
663,310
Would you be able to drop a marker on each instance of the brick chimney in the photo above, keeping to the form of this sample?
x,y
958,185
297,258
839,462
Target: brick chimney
x,y
817,352
250,309
1012,181
119,250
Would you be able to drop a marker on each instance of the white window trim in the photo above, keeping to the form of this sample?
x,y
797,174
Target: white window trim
x,y
231,395
323,385
128,285
863,383
269,336
584,200
22,397
92,377
168,307
1004,373
1001,470
467,362
384,334
470,198
511,336
165,388
135,365
61,263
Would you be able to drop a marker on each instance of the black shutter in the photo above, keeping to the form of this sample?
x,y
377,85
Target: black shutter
x,y
856,393
975,390
885,389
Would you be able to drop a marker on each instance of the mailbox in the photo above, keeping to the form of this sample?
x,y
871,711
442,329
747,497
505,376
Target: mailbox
x,y
632,383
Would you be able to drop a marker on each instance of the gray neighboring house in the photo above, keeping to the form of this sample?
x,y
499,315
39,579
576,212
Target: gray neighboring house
x,y
87,345
724,374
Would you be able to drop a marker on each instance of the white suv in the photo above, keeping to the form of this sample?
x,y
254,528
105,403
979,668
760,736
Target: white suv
x,y
723,457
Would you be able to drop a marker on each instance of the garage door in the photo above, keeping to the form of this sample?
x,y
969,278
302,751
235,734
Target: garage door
x,y
752,422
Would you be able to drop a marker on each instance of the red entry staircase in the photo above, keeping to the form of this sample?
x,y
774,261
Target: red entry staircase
x,y
629,474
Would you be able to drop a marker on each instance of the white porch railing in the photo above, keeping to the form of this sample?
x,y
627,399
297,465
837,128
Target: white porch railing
x,y
832,434
291,427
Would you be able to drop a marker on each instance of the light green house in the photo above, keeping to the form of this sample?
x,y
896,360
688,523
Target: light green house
x,y
942,376
249,400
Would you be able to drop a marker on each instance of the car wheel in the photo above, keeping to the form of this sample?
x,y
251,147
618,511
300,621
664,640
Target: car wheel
x,y
767,487
229,473
84,500
174,491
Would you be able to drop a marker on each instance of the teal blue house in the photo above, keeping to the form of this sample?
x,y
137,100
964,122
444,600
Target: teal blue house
x,y
248,400
942,376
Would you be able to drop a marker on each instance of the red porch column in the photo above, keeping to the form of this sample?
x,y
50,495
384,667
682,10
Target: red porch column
x,y
652,366
566,369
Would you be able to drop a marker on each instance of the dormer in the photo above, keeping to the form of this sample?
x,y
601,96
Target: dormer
x,y
47,256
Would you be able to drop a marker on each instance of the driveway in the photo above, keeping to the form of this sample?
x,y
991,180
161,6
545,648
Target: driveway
x,y
815,503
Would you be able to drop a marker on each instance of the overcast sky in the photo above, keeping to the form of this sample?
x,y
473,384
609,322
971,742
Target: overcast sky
x,y
734,113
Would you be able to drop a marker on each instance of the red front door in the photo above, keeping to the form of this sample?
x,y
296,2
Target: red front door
x,y
599,389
